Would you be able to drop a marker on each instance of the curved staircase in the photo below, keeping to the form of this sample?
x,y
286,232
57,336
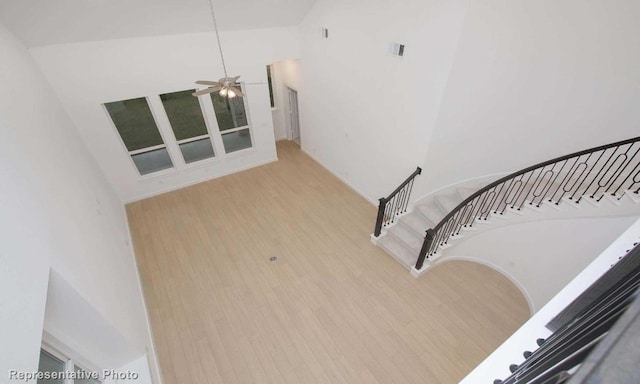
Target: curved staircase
x,y
597,182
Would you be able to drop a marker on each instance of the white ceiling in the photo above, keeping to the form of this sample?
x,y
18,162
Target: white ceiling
x,y
45,22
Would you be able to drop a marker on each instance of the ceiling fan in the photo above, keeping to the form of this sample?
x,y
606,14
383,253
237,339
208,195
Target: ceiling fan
x,y
226,86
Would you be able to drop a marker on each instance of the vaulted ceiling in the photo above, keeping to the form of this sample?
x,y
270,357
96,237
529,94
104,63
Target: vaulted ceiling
x,y
46,22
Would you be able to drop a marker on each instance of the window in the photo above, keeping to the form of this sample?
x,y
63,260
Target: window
x,y
139,132
58,366
51,364
232,121
270,80
187,123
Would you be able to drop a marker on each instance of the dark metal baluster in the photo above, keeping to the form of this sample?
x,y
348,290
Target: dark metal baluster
x,y
478,214
502,196
486,206
387,212
621,186
587,175
524,197
409,190
540,195
474,212
563,180
465,217
549,184
495,202
586,191
571,181
447,231
400,197
512,203
508,194
457,222
396,203
604,186
620,171
404,199
434,243
531,189
635,180
394,208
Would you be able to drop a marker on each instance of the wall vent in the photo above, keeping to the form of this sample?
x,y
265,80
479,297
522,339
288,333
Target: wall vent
x,y
325,33
396,49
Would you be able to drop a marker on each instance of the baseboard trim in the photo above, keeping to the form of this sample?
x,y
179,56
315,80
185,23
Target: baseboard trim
x,y
342,179
198,181
153,362
515,282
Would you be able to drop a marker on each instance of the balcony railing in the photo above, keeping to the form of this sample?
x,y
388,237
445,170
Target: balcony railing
x,y
606,171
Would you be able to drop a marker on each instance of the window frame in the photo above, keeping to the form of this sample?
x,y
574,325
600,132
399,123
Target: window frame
x,y
130,154
208,135
70,365
271,86
249,126
172,146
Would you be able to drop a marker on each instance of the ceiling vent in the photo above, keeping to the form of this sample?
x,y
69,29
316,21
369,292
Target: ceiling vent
x,y
325,33
396,49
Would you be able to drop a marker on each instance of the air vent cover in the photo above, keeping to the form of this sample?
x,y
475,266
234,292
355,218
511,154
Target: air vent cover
x,y
325,33
396,49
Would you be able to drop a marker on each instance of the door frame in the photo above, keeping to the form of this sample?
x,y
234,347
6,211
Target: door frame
x,y
292,91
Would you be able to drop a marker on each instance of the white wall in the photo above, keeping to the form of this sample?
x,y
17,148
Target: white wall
x,y
533,80
58,212
542,256
86,75
496,366
366,115
485,87
277,112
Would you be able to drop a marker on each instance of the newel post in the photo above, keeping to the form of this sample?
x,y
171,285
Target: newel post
x,y
426,245
381,208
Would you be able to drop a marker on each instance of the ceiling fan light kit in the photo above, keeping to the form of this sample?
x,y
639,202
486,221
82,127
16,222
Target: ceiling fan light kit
x,y
226,86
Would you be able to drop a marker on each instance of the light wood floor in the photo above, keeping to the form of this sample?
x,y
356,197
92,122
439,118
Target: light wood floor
x,y
333,308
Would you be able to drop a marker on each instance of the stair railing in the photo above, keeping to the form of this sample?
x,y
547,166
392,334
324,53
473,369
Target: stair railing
x,y
605,170
396,203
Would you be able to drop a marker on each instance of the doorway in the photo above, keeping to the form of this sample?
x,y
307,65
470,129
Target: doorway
x,y
294,117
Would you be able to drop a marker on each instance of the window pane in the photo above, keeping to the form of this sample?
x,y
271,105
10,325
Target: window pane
x,y
273,104
229,112
152,161
135,123
184,113
48,363
236,141
197,150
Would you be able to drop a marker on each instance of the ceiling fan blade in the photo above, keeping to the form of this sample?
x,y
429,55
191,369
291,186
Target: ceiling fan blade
x,y
235,79
205,82
205,91
237,91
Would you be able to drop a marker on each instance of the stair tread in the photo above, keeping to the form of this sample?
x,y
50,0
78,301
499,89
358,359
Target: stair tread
x,y
447,202
431,211
410,238
417,223
398,251
465,192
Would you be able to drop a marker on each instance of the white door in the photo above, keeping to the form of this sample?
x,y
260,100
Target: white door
x,y
293,115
